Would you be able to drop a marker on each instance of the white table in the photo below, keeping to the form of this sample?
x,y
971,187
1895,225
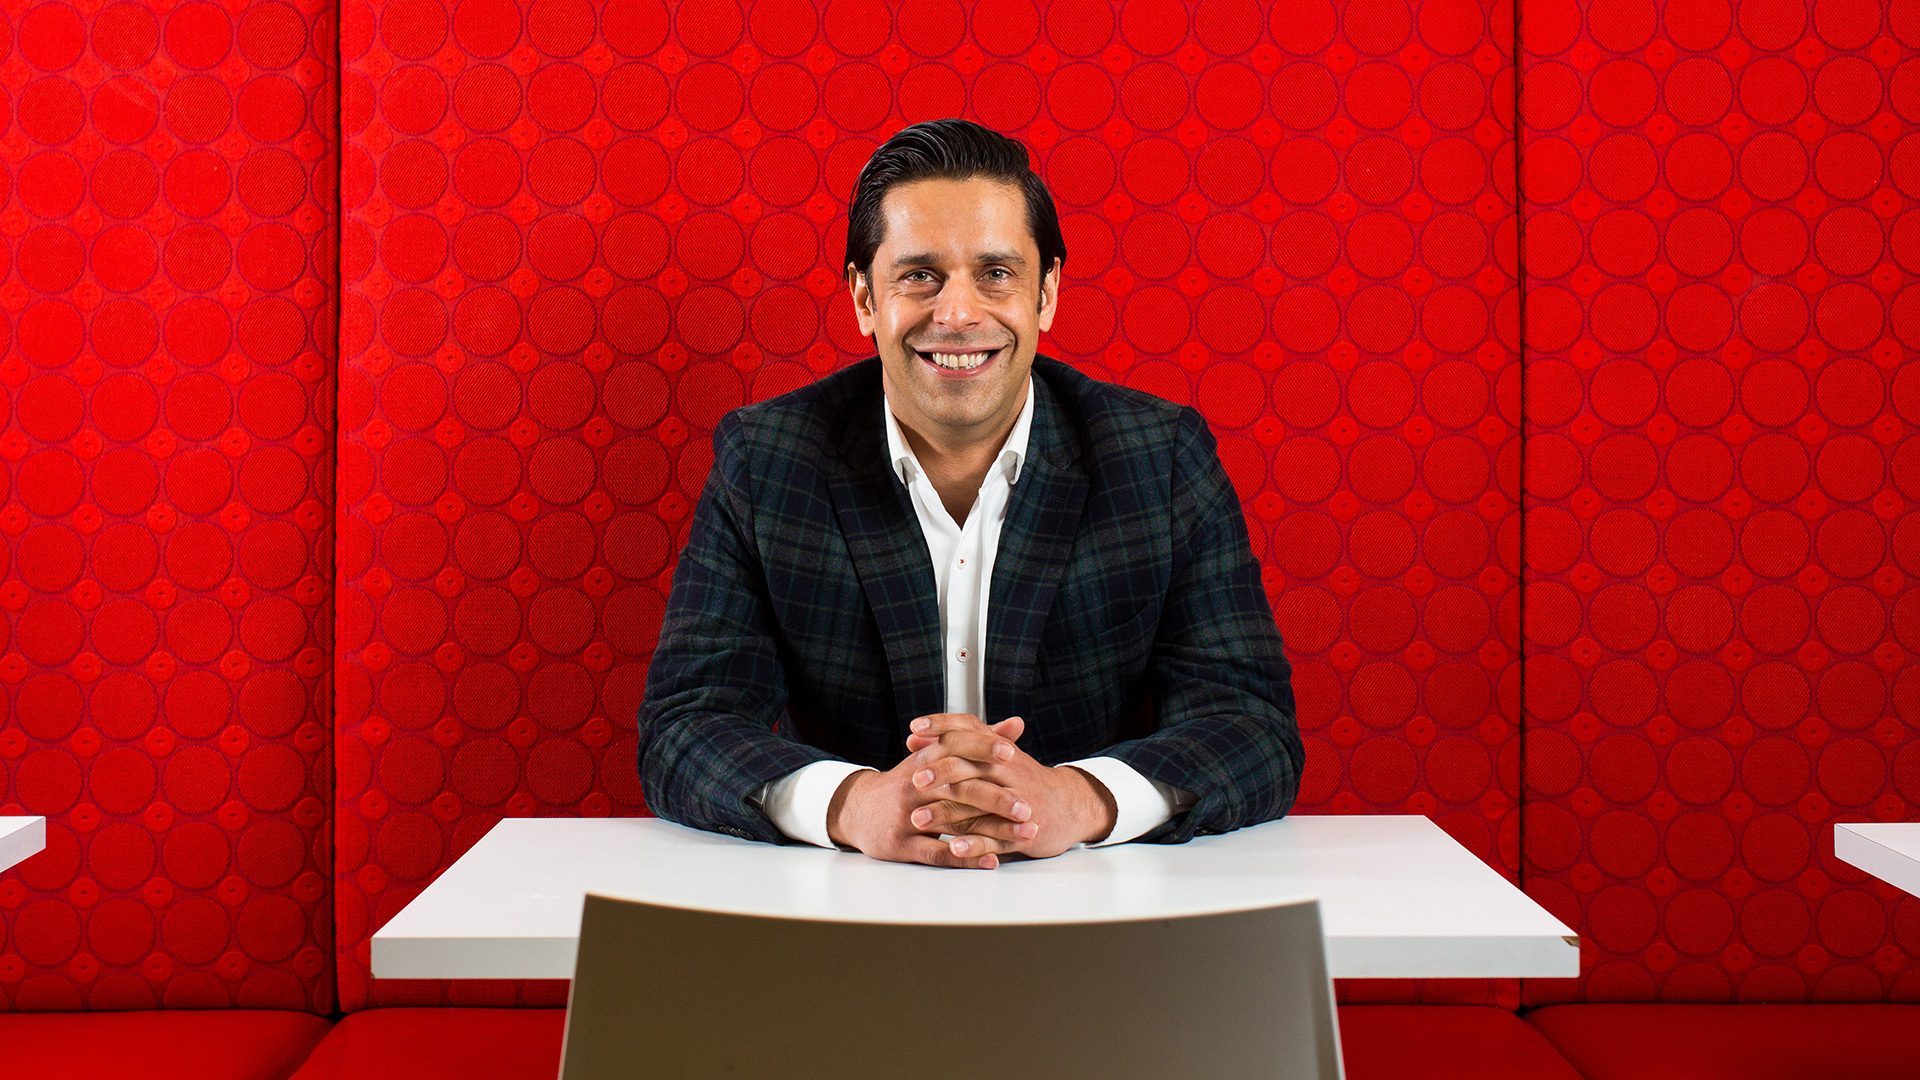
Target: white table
x,y
21,837
1889,851
1399,897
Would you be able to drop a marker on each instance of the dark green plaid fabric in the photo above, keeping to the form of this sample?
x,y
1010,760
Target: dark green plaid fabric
x,y
1125,613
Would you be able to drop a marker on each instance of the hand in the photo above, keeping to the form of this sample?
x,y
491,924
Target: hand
x,y
874,812
972,764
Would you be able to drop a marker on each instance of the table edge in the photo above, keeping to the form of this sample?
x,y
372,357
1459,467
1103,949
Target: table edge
x,y
21,838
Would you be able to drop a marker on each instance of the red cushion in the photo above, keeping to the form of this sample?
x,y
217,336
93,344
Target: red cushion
x,y
216,1044
1736,1042
431,1044
1444,1042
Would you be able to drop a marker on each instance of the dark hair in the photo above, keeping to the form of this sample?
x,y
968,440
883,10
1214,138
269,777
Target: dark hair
x,y
947,150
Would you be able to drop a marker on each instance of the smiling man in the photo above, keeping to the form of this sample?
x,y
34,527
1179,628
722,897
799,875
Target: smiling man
x,y
959,601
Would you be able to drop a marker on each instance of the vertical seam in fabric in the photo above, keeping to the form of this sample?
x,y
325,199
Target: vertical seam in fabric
x,y
333,444
1520,494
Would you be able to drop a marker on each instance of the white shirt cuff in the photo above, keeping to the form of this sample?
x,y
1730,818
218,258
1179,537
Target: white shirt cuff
x,y
1139,803
798,802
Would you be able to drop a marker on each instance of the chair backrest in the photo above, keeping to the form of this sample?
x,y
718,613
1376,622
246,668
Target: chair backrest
x,y
673,993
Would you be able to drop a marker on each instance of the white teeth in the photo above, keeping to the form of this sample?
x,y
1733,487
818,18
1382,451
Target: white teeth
x,y
959,361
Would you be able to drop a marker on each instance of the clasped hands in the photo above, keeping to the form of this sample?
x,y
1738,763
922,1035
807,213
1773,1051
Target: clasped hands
x,y
968,780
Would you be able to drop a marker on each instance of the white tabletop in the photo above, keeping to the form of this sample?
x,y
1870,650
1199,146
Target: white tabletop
x,y
1399,897
1888,851
21,837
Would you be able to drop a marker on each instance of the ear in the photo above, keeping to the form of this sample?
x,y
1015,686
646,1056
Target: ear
x,y
862,291
1049,295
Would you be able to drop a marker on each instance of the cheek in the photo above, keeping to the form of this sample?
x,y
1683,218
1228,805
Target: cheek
x,y
893,325
1019,315
903,318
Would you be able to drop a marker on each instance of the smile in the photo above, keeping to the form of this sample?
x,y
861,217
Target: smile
x,y
967,360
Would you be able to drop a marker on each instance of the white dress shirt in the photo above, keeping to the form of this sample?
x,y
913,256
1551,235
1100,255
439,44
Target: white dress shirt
x,y
962,556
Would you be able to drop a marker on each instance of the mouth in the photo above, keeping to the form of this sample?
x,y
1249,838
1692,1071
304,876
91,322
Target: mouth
x,y
960,362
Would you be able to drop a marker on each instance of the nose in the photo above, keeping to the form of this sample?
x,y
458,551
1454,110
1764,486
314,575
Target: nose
x,y
957,310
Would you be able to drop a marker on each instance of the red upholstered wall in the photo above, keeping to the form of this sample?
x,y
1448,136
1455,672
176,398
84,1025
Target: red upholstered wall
x,y
575,235
1720,244
166,272
572,234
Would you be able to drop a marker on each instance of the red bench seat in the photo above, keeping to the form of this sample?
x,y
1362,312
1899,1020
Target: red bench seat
x,y
440,1044
1445,1042
1736,1042
178,1044
1380,1042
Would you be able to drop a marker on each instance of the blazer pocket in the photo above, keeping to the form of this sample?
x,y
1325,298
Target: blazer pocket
x,y
1069,641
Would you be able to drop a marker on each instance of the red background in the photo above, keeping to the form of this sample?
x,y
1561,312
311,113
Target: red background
x,y
1719,308
570,237
169,329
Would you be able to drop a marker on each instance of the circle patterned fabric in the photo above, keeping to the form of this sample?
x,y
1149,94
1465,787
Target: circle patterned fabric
x,y
575,235
1720,242
1584,522
166,390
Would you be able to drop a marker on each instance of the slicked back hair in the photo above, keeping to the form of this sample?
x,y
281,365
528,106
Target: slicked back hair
x,y
947,150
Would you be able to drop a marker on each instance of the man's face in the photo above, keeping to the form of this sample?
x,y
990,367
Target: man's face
x,y
955,304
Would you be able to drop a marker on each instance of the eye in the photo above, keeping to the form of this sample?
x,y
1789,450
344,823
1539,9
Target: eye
x,y
999,273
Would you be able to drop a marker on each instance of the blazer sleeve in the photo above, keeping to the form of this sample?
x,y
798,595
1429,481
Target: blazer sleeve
x,y
1219,680
717,685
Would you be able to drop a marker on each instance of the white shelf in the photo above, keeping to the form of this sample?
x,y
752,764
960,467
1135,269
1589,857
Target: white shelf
x,y
1888,851
21,837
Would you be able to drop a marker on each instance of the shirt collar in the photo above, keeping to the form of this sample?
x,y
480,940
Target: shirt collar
x,y
1013,453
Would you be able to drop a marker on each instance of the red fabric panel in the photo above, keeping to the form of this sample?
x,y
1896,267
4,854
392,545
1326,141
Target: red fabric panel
x,y
166,335
575,235
1444,1042
1735,1042
1720,245
184,1044
440,1044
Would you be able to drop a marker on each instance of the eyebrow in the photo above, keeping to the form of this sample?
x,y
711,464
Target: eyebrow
x,y
985,257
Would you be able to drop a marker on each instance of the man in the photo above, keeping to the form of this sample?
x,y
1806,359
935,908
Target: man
x,y
958,590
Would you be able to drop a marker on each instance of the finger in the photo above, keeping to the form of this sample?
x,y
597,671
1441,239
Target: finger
x,y
941,815
1014,833
953,817
975,846
994,798
973,745
1010,729
926,849
934,723
948,770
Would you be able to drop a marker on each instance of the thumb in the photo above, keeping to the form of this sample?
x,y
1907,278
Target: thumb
x,y
1010,728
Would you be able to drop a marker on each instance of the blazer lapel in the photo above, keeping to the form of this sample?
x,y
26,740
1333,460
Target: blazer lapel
x,y
1036,541
890,556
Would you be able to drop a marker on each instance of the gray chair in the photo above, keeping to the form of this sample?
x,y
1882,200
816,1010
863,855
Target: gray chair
x,y
675,993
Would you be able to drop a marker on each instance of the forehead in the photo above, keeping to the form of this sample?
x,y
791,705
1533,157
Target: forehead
x,y
972,214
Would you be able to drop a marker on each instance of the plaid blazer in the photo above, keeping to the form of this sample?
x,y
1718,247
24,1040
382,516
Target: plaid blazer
x,y
1126,614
